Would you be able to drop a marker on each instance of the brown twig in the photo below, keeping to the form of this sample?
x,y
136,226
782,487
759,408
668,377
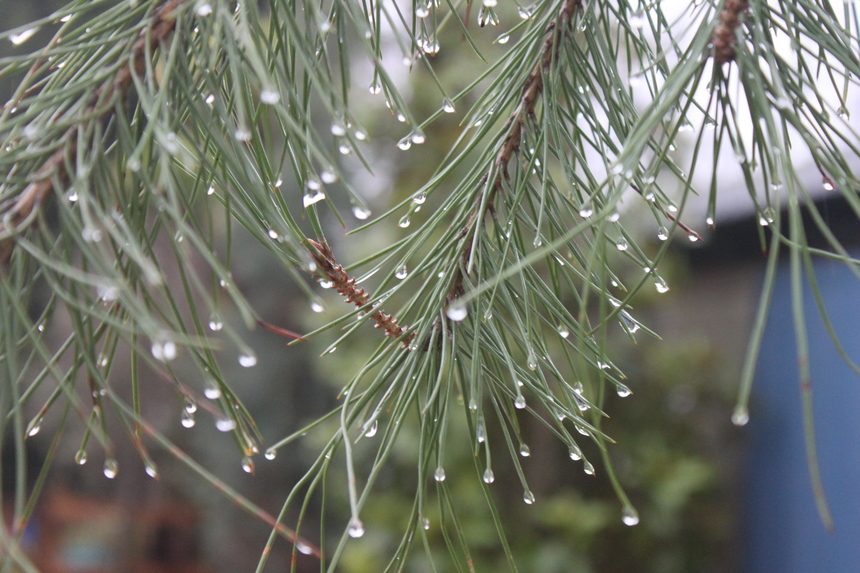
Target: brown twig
x,y
724,38
514,128
53,170
358,296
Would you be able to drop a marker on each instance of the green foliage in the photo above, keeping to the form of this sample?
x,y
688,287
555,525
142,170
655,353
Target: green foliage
x,y
144,135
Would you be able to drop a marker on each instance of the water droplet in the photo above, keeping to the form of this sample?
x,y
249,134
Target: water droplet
x,y
247,360
532,360
402,272
629,516
242,135
20,38
827,184
35,426
709,222
111,468
187,419
425,523
480,433
150,468
650,197
405,143
693,237
163,350
448,106
73,196
842,112
91,235
525,451
248,465
360,213
215,323
81,457
212,391
371,431
338,130
637,20
637,80
374,88
586,212
422,10
575,453
225,424
439,474
344,149
563,331
529,497
312,198
356,528
661,285
404,222
741,416
456,312
204,9
662,233
419,199
613,218
210,191
271,454
273,234
588,468
503,39
520,402
489,476
328,177
622,244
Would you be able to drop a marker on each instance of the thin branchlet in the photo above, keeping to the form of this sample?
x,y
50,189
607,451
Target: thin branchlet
x,y
514,130
724,38
345,285
54,171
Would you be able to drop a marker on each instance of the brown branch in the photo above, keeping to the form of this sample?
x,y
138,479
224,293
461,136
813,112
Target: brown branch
x,y
724,38
515,127
53,170
358,296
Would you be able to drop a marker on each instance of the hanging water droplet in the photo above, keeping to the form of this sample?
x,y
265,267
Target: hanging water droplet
x,y
842,112
525,451
532,360
456,311
270,96
586,212
242,135
402,272
273,234
439,474
271,454
360,213
150,468
693,237
741,416
21,37
473,404
613,217
662,233
575,453
163,350
356,528
661,285
91,234
212,391
35,426
422,10
204,9
312,198
338,130
404,221
622,390
629,516
709,222
637,20
448,106
622,244
247,360
81,457
827,184
374,88
588,468
371,431
215,323
581,403
317,307
187,419
111,468
405,143
563,331
529,497
503,39
247,465
225,423
489,476
520,402
480,433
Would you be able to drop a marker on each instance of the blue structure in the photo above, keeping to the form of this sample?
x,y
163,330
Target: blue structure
x,y
783,532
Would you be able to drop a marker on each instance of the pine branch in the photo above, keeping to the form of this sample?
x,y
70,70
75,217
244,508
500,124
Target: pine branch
x,y
53,172
514,127
725,39
345,285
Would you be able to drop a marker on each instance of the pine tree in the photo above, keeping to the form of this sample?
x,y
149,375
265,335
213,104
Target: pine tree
x,y
143,134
